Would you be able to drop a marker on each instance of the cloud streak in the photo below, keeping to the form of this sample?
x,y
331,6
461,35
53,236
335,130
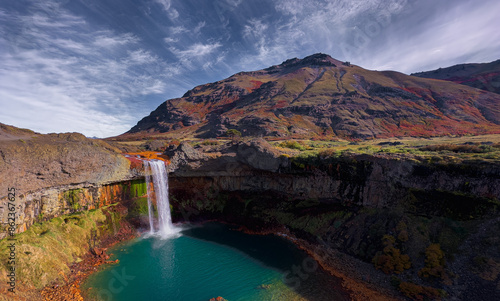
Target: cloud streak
x,y
74,76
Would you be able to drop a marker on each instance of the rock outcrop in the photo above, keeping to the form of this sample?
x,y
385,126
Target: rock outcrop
x,y
375,181
229,159
51,160
371,217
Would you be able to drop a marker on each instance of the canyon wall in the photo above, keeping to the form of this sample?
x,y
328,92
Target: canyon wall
x,y
379,218
369,181
45,204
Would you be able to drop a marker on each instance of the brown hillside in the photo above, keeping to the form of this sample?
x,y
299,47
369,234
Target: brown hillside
x,y
319,96
482,76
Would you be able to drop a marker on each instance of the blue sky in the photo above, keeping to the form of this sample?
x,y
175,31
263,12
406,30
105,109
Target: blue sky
x,y
99,66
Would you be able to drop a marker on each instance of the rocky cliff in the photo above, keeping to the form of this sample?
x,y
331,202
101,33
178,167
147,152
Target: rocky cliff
x,y
56,174
378,218
376,181
51,160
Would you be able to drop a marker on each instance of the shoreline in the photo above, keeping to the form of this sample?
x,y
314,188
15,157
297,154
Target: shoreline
x,y
80,271
357,288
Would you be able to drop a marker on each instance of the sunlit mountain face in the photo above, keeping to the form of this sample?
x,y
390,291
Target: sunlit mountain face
x,y
321,97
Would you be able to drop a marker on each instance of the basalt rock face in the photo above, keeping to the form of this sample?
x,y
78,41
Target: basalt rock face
x,y
47,203
56,174
318,96
375,181
351,206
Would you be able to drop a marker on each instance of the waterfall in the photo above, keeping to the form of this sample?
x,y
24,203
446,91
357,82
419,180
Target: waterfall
x,y
150,196
157,174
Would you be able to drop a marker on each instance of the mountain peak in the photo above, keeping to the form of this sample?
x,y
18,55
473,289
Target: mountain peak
x,y
318,96
317,59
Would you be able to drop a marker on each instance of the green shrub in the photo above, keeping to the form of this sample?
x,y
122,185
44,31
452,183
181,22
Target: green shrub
x,y
292,144
459,148
233,133
209,142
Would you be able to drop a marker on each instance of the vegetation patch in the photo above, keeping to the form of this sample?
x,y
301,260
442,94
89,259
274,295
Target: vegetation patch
x,y
434,264
390,260
138,188
293,144
461,148
45,250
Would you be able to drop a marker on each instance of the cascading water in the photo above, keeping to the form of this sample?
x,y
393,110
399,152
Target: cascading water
x,y
150,192
157,174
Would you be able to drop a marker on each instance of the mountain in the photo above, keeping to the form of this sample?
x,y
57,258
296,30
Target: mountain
x,y
319,96
482,76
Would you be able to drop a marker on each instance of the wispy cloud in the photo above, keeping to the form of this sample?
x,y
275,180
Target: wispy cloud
x,y
255,29
198,49
196,52
198,27
170,40
167,7
450,36
108,39
74,76
141,56
175,30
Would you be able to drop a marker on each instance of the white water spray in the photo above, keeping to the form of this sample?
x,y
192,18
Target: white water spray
x,y
157,174
150,196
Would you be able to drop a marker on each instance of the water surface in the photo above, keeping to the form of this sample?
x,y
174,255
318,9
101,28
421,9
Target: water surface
x,y
209,261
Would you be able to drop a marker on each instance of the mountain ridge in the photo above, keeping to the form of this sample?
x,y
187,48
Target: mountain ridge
x,y
484,76
319,96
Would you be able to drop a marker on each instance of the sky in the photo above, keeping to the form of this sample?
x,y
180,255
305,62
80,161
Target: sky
x,y
99,66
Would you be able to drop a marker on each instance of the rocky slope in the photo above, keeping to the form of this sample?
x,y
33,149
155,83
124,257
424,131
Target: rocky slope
x,y
30,161
319,96
484,76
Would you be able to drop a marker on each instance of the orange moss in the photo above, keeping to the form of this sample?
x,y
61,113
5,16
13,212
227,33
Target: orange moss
x,y
150,155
